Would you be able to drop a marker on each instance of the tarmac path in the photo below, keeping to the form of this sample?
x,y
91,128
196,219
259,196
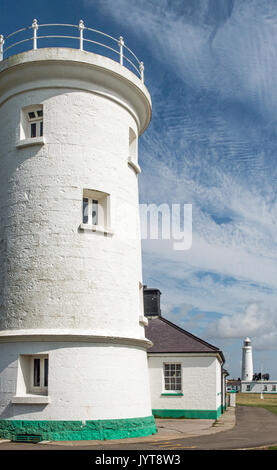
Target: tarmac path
x,y
255,427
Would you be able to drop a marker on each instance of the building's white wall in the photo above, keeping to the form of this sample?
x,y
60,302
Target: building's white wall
x,y
86,381
218,384
258,387
224,391
199,382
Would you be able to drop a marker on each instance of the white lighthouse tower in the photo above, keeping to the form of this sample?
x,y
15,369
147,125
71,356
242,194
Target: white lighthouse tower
x,y
247,361
73,361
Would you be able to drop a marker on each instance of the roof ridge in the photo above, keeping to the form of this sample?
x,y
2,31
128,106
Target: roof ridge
x,y
182,330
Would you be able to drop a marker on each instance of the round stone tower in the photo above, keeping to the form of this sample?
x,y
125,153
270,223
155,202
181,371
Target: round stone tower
x,y
247,361
73,362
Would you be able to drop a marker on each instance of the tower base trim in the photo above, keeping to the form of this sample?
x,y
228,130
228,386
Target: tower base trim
x,y
78,430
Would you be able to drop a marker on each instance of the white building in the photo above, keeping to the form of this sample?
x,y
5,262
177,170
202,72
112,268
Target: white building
x,y
187,378
259,386
73,362
247,360
248,385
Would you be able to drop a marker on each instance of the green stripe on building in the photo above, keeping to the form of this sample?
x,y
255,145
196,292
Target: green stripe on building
x,y
192,414
77,431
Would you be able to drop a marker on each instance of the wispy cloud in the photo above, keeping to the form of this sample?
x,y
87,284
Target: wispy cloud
x,y
212,143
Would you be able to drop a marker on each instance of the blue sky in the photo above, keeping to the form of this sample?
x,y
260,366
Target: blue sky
x,y
210,66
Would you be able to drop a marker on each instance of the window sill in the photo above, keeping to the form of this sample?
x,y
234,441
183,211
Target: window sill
x,y
31,141
134,165
143,320
31,400
97,228
173,394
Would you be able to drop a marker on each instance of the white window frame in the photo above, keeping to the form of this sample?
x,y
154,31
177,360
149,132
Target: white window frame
x,y
41,388
100,202
171,390
133,151
28,121
92,208
26,391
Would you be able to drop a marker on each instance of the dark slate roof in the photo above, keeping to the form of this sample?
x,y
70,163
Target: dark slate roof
x,y
170,338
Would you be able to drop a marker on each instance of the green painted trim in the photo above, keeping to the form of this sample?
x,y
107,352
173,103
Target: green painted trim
x,y
77,431
172,394
191,414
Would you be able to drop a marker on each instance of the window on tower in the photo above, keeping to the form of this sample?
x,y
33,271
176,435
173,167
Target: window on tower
x,y
31,125
96,211
133,151
90,211
33,375
133,144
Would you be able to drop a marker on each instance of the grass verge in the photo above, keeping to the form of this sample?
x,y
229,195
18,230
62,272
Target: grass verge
x,y
269,401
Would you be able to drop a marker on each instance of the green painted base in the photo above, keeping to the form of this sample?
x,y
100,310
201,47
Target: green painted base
x,y
77,431
191,414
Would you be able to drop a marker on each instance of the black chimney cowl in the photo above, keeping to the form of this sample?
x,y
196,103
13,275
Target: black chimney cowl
x,y
151,299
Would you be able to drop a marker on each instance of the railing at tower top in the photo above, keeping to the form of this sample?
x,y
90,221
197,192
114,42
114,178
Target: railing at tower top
x,y
124,55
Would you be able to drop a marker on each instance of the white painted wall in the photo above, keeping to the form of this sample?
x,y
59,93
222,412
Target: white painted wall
x,y
79,277
200,382
86,381
54,276
247,361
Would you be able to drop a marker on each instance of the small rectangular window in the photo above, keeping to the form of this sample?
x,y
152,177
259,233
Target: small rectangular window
x,y
172,377
40,374
96,211
31,124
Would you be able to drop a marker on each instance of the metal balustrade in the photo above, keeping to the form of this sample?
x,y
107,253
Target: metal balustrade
x,y
125,55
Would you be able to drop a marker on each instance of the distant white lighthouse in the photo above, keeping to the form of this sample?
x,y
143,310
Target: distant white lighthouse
x,y
73,362
247,361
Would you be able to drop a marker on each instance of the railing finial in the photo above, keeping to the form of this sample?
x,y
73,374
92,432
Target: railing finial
x,y
35,28
1,46
121,45
141,69
81,29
